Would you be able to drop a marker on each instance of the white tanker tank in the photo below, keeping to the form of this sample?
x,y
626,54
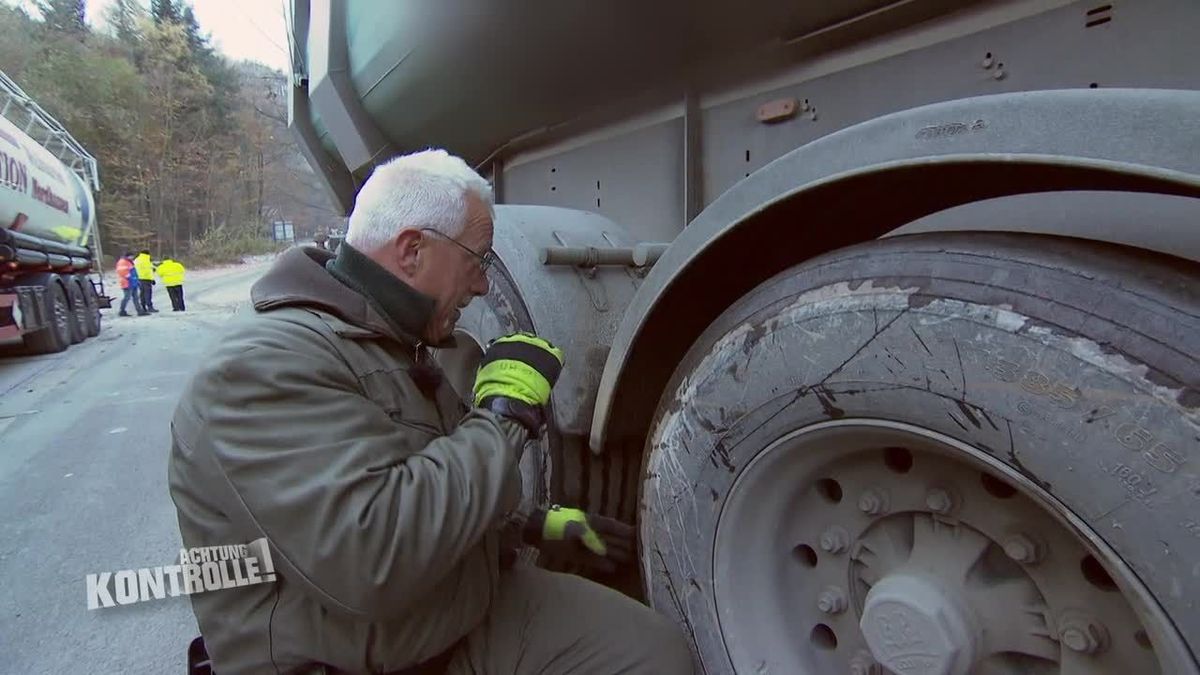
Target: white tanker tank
x,y
49,245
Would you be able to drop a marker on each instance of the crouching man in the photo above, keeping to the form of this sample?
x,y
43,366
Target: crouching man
x,y
321,423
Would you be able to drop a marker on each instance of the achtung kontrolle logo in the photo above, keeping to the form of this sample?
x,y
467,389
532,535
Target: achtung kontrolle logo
x,y
209,568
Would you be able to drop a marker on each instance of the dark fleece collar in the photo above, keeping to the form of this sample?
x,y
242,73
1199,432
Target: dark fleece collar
x,y
405,308
350,286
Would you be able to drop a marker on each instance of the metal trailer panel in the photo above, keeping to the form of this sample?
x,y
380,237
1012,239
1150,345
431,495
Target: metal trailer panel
x,y
1149,44
647,200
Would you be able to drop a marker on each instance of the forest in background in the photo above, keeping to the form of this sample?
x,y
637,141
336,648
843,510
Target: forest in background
x,y
194,153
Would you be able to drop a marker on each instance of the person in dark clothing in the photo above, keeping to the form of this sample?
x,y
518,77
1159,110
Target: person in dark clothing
x,y
320,425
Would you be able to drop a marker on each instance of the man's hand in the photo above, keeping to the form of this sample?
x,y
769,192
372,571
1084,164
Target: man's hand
x,y
516,376
575,539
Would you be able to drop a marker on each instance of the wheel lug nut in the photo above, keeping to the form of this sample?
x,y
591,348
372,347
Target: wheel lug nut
x,y
864,664
834,540
832,600
1023,549
1081,633
940,501
873,502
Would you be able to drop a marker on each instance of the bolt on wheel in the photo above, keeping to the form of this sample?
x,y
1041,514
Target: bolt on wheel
x,y
862,545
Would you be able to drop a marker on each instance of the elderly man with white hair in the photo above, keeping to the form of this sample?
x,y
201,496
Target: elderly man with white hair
x,y
321,425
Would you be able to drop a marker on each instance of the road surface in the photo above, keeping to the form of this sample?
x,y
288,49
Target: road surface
x,y
84,439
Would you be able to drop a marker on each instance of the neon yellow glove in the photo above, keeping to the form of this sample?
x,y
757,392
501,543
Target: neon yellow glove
x,y
572,538
521,366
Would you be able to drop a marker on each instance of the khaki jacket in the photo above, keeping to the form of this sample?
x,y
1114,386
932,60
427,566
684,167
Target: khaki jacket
x,y
382,506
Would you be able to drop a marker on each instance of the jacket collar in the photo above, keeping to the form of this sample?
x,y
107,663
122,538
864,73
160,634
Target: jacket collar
x,y
406,310
350,286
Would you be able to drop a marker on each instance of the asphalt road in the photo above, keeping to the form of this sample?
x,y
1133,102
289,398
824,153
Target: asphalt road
x,y
84,439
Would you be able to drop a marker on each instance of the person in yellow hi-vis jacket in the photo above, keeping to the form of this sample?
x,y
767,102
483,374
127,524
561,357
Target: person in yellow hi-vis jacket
x,y
145,272
171,272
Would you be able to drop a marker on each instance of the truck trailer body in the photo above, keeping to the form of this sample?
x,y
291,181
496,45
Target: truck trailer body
x,y
882,318
49,245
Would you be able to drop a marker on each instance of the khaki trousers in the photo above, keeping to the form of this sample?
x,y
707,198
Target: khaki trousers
x,y
549,623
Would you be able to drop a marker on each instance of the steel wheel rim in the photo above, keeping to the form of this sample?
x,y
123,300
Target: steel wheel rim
x,y
775,581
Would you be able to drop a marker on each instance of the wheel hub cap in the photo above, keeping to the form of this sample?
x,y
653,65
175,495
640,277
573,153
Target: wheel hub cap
x,y
913,626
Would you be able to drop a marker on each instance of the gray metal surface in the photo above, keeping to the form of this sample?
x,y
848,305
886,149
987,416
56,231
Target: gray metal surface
x,y
881,174
1036,46
577,310
334,177
332,93
1147,44
1154,222
641,189
516,68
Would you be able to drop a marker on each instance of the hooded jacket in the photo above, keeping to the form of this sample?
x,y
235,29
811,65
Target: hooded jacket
x,y
145,267
381,502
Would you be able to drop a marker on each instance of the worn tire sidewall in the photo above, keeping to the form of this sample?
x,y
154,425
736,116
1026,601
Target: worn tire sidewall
x,y
92,308
76,312
959,336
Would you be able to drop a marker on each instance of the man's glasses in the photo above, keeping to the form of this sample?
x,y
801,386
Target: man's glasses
x,y
485,260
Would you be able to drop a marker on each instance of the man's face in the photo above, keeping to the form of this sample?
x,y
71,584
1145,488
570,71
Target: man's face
x,y
451,275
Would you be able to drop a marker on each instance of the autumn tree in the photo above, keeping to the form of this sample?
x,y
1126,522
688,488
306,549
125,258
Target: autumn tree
x,y
124,16
64,16
165,11
194,154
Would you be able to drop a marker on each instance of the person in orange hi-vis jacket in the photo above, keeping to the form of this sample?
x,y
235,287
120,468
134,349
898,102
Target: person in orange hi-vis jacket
x,y
128,276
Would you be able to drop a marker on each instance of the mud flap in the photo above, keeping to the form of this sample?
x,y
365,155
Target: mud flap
x,y
198,662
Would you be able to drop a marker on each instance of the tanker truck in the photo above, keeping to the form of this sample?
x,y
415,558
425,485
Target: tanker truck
x,y
51,288
882,319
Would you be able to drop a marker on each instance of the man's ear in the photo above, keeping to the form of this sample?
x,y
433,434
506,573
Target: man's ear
x,y
408,248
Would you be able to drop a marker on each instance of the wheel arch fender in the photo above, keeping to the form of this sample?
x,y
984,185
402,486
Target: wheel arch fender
x,y
872,178
47,280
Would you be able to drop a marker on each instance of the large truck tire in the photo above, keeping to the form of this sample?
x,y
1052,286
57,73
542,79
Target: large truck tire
x,y
77,321
945,453
56,335
91,322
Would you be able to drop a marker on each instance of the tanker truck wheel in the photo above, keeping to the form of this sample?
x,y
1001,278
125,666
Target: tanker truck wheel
x,y
77,321
56,336
937,454
91,303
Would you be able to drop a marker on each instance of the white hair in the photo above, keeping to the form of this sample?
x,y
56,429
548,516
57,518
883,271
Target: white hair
x,y
423,189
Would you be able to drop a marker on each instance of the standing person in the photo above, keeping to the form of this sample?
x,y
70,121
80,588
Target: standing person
x,y
171,272
321,424
128,278
145,272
